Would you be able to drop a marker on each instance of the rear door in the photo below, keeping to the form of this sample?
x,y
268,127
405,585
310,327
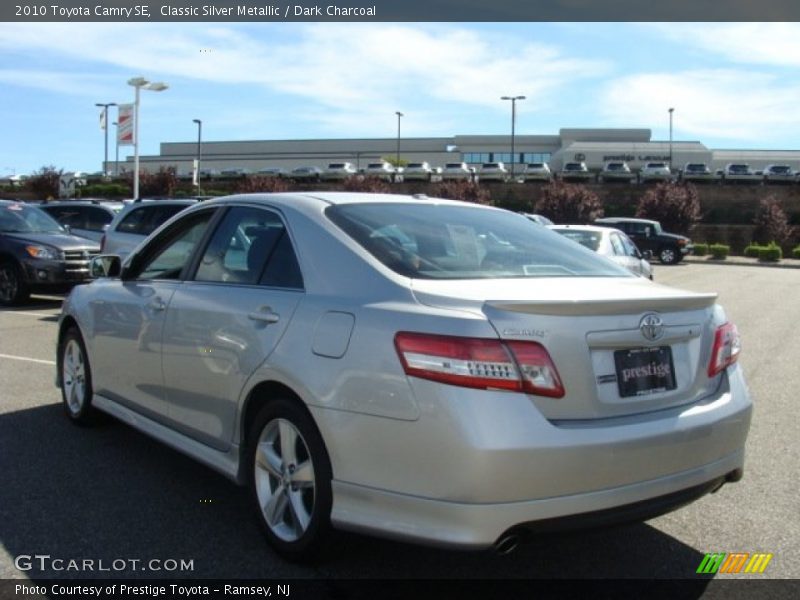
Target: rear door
x,y
226,321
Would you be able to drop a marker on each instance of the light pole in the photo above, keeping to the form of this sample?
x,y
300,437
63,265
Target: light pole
x,y
139,83
671,110
105,106
513,122
199,140
116,154
399,114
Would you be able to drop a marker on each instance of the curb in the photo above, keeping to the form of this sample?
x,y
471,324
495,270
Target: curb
x,y
738,261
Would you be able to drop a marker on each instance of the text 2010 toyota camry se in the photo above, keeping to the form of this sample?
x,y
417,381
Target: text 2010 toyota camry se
x,y
421,369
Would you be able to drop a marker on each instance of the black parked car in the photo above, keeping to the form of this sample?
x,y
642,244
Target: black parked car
x,y
670,248
38,255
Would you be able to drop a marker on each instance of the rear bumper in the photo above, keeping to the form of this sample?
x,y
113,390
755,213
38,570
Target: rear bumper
x,y
497,470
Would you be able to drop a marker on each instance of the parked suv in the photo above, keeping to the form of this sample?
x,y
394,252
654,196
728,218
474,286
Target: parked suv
x,y
575,171
779,174
37,254
138,220
697,172
84,218
670,248
655,171
616,171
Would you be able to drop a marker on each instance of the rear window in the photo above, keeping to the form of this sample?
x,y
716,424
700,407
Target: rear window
x,y
429,241
454,166
573,167
375,166
336,166
696,167
588,239
535,165
655,165
414,165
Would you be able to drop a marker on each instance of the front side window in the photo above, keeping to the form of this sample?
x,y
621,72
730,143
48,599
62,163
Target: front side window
x,y
167,255
429,241
19,218
251,246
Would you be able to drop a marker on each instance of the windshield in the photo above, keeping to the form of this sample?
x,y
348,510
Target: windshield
x,y
19,218
430,241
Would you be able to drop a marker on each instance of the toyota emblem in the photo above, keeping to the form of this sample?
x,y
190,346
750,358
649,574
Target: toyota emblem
x,y
652,327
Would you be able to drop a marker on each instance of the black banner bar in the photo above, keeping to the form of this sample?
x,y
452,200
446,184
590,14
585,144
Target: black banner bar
x,y
397,10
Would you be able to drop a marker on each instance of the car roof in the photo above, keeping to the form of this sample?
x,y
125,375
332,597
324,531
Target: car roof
x,y
623,220
594,228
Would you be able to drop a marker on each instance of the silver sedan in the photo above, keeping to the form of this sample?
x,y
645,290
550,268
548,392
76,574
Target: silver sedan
x,y
421,369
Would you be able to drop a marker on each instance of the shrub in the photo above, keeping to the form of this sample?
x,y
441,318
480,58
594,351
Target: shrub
x,y
162,183
468,191
366,184
719,251
259,183
675,206
796,252
105,190
44,183
772,224
568,203
700,249
771,253
752,250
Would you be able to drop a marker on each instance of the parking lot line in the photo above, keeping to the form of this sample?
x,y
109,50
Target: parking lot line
x,y
25,358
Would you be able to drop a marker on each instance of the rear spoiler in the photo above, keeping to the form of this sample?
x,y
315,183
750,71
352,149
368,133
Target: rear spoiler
x,y
615,306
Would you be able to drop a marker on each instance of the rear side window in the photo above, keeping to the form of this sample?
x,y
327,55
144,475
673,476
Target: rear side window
x,y
146,219
132,222
435,241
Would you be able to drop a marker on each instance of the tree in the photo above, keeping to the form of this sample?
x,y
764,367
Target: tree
x,y
675,206
260,183
772,224
462,189
162,183
44,183
392,160
568,203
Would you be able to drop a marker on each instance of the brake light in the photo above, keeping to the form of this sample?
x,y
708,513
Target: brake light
x,y
479,363
726,349
103,243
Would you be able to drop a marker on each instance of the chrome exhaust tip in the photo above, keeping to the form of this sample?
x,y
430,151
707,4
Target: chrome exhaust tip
x,y
506,544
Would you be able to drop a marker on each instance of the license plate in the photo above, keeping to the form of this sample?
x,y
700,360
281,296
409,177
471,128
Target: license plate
x,y
643,371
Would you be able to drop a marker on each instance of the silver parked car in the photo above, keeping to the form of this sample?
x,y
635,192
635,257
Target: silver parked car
x,y
611,243
422,369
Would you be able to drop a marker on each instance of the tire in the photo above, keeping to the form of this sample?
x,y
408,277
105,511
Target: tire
x,y
669,255
75,376
13,287
291,485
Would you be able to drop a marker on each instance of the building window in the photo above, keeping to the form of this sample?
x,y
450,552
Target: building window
x,y
477,157
536,157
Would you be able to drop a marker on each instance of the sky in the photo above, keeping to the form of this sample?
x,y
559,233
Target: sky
x,y
732,85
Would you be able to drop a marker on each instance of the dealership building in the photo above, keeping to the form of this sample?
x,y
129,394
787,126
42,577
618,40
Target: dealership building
x,y
593,146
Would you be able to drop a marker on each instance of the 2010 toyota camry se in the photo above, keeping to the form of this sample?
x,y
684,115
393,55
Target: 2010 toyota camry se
x,y
421,369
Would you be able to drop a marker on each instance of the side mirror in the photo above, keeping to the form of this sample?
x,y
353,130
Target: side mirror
x,y
106,265
67,228
647,255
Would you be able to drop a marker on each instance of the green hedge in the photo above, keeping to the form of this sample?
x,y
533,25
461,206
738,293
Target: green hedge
x,y
796,252
700,249
771,253
719,251
752,251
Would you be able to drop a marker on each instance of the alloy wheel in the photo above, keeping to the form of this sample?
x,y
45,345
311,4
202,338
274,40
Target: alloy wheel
x,y
74,376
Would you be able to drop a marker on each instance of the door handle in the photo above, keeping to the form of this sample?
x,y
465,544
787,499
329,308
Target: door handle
x,y
264,315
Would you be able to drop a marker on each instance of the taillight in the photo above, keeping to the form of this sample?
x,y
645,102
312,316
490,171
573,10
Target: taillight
x,y
479,363
725,351
103,242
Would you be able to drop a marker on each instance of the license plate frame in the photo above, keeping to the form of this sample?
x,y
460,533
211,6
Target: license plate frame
x,y
644,371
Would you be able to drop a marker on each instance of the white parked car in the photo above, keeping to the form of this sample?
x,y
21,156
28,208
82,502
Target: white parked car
x,y
740,173
418,171
537,172
338,171
458,171
655,171
493,171
575,171
306,174
698,172
382,170
779,174
616,171
611,243
272,172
